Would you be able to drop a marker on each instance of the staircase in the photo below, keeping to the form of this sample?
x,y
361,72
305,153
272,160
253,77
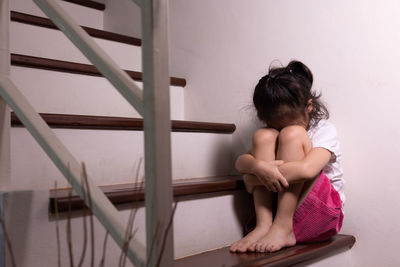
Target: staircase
x,y
107,135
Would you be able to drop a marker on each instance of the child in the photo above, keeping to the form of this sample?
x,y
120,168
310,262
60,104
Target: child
x,y
306,181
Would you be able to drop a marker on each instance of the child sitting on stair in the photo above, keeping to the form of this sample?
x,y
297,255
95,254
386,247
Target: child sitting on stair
x,y
294,167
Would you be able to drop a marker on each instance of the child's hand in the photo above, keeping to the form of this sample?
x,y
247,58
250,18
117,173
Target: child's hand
x,y
270,176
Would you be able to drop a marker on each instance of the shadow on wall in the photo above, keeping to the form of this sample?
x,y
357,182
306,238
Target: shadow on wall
x,y
243,207
17,208
242,143
222,158
242,138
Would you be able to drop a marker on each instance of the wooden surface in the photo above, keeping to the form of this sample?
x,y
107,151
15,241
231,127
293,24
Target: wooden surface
x,y
127,193
88,3
286,257
47,23
73,67
121,123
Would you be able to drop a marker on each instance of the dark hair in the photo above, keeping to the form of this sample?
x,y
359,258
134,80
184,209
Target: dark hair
x,y
288,88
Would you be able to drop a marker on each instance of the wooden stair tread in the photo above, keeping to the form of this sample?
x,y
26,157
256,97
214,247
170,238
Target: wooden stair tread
x,y
47,23
73,67
128,193
286,257
122,123
88,3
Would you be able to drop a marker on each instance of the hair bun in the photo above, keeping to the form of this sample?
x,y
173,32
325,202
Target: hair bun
x,y
298,68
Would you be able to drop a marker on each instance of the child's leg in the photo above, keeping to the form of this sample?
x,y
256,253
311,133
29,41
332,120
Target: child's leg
x,y
264,146
294,144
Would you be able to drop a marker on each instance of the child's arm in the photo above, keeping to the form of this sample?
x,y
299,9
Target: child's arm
x,y
272,179
274,174
307,168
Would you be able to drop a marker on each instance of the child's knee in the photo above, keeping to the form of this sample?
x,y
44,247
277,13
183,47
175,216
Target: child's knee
x,y
293,133
265,136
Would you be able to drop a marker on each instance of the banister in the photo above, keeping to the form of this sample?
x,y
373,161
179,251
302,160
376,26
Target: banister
x,y
5,159
105,64
157,131
107,214
152,104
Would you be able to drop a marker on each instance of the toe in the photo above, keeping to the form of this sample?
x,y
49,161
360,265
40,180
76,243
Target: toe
x,y
233,247
251,248
241,249
264,248
260,247
274,248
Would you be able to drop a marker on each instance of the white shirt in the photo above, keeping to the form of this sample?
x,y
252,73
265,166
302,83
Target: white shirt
x,y
324,135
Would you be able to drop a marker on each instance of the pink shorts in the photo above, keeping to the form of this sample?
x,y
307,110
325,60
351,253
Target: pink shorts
x,y
320,215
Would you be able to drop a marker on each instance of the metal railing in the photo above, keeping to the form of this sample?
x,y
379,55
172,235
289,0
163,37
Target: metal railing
x,y
152,103
5,165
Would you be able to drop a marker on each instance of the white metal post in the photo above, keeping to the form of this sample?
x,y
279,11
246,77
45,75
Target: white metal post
x,y
5,162
157,128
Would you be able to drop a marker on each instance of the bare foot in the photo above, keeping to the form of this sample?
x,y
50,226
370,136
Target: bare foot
x,y
277,238
243,244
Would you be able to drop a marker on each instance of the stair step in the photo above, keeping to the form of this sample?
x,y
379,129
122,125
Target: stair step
x,y
53,44
113,157
47,23
200,223
73,67
88,3
121,123
68,93
127,193
286,257
83,15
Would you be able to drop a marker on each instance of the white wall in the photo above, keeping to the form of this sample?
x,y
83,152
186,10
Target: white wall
x,y
223,47
123,16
